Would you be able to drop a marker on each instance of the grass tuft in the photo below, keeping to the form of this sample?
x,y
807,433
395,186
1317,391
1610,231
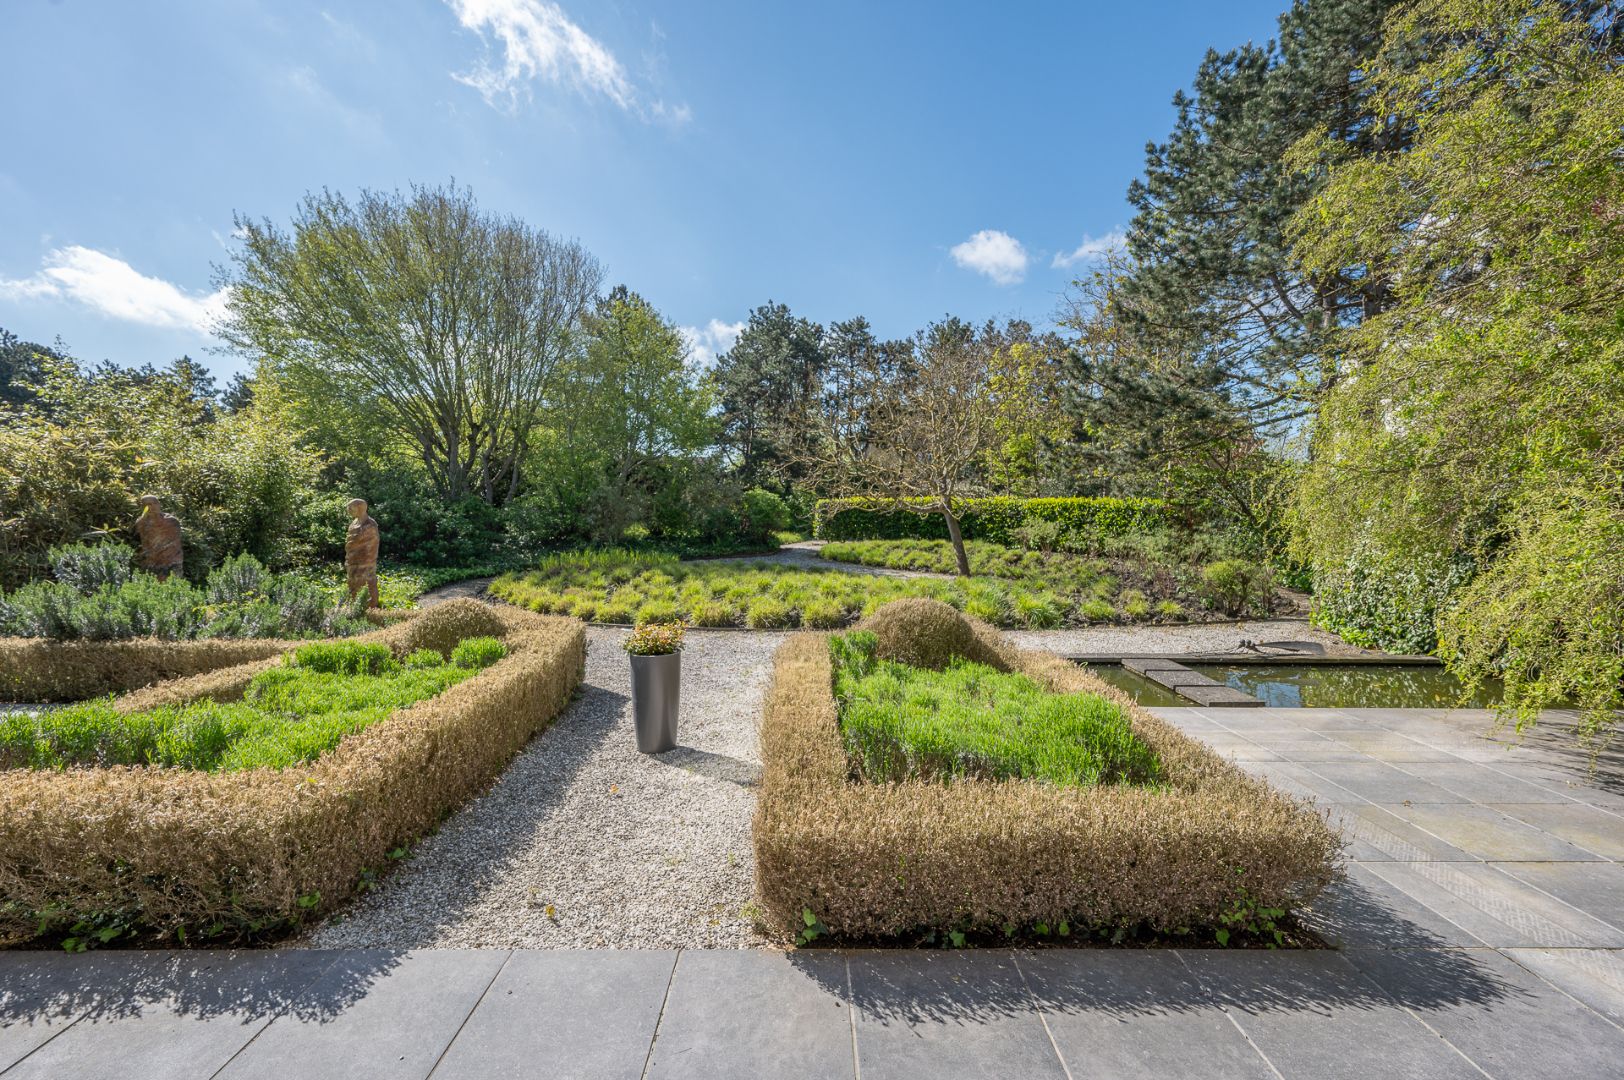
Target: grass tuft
x,y
971,720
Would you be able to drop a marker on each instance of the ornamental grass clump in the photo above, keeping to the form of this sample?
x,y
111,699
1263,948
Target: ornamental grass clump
x,y
971,720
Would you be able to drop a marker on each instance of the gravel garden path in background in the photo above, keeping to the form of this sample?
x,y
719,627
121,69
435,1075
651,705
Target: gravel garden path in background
x,y
1224,637
586,842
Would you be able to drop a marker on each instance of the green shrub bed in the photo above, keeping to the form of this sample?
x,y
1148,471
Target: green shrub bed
x,y
288,714
1203,848
97,596
1015,589
971,720
996,519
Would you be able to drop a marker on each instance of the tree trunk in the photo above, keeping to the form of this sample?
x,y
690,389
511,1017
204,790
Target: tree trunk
x,y
957,539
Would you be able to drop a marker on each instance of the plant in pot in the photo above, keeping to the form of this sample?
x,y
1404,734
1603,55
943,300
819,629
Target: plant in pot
x,y
656,655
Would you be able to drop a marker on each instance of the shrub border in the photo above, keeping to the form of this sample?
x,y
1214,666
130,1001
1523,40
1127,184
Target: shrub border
x,y
879,860
38,670
167,850
993,518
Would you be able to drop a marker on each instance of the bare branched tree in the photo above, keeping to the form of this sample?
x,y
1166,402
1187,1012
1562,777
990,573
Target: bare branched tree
x,y
915,443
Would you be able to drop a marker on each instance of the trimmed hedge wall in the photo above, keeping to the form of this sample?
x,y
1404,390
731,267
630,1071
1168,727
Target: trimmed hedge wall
x,y
994,519
254,850
34,669
878,860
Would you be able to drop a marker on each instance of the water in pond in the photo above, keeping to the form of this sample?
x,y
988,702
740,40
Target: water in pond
x,y
1319,686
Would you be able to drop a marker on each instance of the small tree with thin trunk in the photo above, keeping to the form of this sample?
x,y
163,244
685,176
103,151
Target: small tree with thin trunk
x,y
914,436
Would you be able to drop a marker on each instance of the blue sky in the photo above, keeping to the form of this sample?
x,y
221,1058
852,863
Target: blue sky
x,y
899,161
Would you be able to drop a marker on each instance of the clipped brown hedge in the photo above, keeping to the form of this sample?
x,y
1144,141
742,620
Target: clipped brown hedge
x,y
33,669
877,860
169,848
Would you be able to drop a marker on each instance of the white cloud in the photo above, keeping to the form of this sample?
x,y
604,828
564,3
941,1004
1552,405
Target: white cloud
x,y
1091,248
707,343
997,254
116,289
539,41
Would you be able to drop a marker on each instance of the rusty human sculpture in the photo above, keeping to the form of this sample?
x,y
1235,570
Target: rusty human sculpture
x,y
160,538
361,552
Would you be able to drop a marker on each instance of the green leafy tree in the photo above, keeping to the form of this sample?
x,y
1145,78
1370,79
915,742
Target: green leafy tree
x,y
773,371
22,368
1212,280
635,404
1479,413
921,443
415,323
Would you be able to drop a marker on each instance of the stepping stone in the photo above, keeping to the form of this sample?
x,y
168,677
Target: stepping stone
x,y
1145,664
1219,697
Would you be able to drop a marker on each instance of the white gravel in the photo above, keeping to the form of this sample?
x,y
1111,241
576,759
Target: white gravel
x,y
586,842
1224,637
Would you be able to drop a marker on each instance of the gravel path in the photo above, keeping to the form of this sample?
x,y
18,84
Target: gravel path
x,y
1174,640
807,555
629,850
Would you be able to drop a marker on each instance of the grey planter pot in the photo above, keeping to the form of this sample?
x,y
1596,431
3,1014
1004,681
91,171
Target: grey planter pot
x,y
656,682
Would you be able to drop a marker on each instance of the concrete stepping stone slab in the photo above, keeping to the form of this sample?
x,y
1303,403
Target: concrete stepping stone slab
x,y
163,1014
743,1014
947,1014
373,1015
1519,1026
1135,1016
600,1011
1312,1014
1593,976
1585,826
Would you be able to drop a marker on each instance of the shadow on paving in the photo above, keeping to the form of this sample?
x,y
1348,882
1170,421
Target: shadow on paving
x,y
312,985
1556,737
972,987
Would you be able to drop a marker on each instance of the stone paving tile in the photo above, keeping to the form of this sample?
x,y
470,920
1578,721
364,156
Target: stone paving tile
x,y
1594,888
1381,836
1519,1027
373,1014
162,1015
945,1015
40,995
564,1014
1313,1015
1497,908
1132,1015
755,1014
1365,911
1383,783
1488,834
1593,976
1331,754
1479,783
1585,826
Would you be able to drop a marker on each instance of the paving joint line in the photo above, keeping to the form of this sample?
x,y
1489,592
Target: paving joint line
x,y
654,1037
1043,1018
480,1000
851,1018
1178,954
324,969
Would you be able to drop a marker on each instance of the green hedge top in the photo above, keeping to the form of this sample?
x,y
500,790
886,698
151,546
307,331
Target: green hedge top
x,y
993,519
